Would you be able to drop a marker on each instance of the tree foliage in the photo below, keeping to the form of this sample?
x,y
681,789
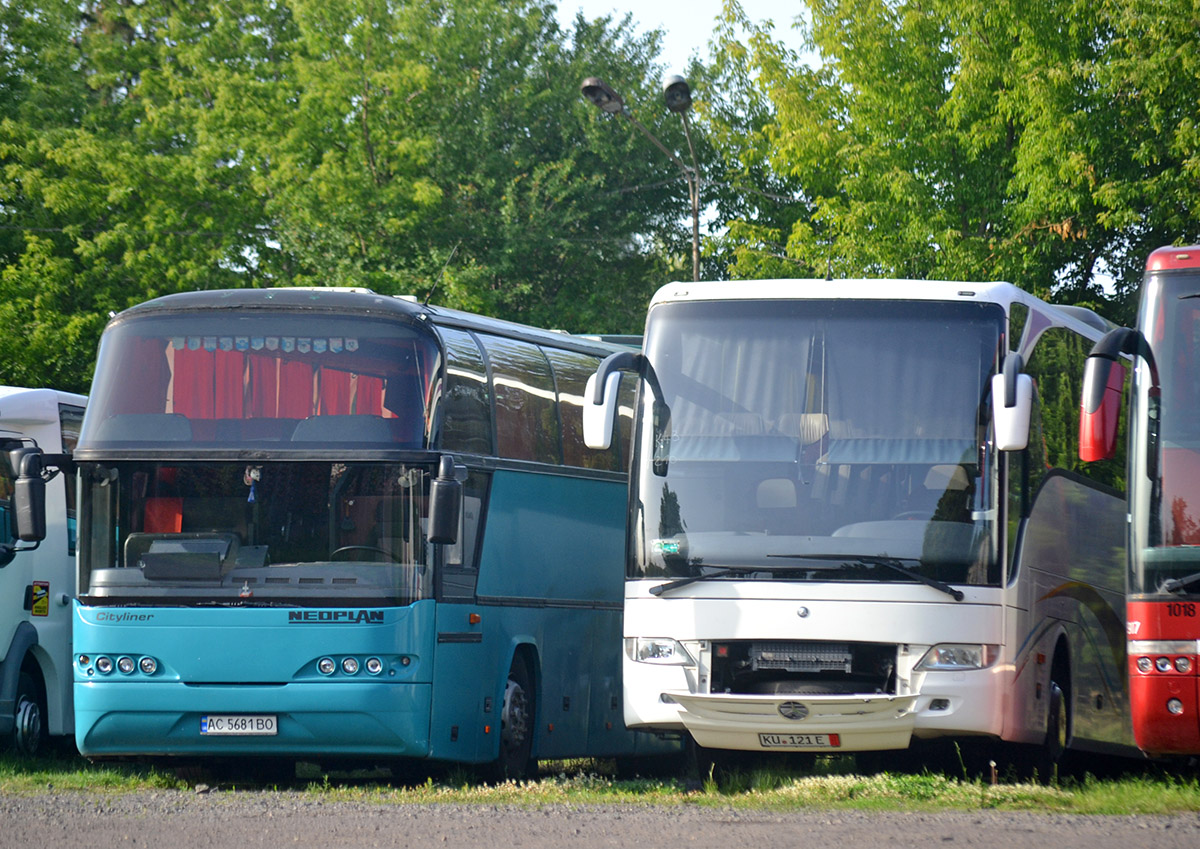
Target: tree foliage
x,y
1046,144
441,149
438,149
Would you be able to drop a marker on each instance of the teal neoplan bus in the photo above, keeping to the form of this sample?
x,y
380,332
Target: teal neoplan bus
x,y
335,525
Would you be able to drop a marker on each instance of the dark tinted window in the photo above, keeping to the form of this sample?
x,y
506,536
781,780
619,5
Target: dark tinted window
x,y
527,426
571,371
466,406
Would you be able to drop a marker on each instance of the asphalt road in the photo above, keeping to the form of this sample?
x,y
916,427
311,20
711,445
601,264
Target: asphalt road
x,y
237,819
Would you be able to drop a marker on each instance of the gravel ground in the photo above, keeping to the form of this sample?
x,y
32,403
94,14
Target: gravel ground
x,y
176,819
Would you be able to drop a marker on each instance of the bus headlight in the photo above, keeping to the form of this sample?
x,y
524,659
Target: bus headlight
x,y
148,665
326,666
955,656
126,665
661,650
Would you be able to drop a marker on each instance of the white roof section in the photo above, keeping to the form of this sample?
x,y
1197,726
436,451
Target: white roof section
x,y
851,289
876,289
35,406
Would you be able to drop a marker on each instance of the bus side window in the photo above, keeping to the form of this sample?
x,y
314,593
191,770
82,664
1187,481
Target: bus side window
x,y
571,371
527,425
466,404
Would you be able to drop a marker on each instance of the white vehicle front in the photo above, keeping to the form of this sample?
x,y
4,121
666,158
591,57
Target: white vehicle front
x,y
814,554
37,580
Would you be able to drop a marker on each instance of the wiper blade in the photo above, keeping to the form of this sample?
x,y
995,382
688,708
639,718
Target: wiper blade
x,y
1176,585
893,563
691,579
721,572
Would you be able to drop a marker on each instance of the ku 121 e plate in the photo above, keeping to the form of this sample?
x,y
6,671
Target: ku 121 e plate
x,y
799,741
244,725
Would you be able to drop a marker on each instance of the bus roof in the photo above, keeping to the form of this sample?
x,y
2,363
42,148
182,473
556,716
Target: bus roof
x,y
35,406
1170,258
362,302
1004,294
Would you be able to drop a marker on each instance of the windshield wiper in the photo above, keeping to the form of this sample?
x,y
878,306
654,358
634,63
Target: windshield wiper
x,y
1175,585
691,579
893,563
721,572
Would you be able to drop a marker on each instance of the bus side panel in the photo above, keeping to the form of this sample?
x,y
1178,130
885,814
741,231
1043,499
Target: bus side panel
x,y
1074,547
551,570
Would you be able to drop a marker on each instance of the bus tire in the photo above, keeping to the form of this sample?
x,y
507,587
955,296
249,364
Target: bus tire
x,y
1058,728
515,761
29,729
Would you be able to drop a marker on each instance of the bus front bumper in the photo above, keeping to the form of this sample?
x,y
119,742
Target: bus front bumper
x,y
169,719
796,722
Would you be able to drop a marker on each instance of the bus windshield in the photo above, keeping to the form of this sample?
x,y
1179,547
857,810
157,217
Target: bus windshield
x,y
253,379
817,440
1165,496
307,533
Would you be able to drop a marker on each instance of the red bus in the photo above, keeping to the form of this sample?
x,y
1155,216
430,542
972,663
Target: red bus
x,y
1163,487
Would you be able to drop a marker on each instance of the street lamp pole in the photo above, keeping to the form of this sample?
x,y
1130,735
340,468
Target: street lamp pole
x,y
678,97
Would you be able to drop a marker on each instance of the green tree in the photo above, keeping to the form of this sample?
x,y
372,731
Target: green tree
x,y
438,149
1042,144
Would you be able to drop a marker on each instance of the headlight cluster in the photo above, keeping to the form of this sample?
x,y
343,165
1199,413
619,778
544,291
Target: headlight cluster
x,y
956,657
661,650
1164,657
123,664
351,665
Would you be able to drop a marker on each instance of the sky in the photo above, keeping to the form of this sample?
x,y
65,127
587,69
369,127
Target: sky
x,y
686,24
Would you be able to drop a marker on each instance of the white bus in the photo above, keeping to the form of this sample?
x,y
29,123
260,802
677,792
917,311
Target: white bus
x,y
854,520
37,581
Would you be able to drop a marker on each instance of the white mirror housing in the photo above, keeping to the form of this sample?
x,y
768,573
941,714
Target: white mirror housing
x,y
1010,415
598,418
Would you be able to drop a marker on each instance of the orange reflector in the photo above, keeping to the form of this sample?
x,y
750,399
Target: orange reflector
x,y
1041,658
550,727
473,618
487,729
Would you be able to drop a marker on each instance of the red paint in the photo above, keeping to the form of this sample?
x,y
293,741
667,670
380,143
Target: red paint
x,y
1098,428
1166,259
1157,730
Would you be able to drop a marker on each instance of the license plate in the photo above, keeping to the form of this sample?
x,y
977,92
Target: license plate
x,y
799,741
245,725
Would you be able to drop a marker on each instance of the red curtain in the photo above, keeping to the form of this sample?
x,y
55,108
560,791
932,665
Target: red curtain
x,y
295,390
335,393
264,387
368,400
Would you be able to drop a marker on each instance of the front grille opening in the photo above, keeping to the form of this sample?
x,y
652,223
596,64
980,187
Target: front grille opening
x,y
803,668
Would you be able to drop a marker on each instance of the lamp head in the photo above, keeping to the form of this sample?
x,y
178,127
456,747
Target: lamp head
x,y
602,95
677,94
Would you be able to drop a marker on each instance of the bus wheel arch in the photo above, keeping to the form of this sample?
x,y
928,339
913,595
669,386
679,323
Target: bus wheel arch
x,y
1059,720
29,712
518,719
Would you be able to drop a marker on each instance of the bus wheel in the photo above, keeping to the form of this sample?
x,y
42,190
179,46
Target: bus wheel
x,y
1058,723
29,732
515,761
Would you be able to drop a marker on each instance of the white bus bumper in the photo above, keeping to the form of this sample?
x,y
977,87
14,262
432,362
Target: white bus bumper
x,y
797,722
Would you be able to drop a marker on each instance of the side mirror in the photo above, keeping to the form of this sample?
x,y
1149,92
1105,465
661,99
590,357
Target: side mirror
x,y
600,398
1100,408
29,494
445,503
598,418
1012,405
